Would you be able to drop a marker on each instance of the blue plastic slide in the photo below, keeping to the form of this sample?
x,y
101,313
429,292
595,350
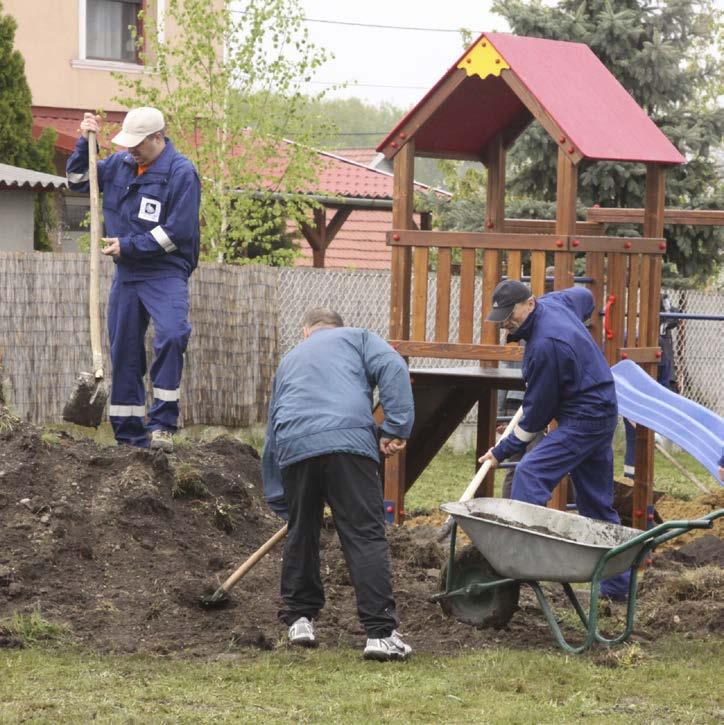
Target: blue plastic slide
x,y
699,431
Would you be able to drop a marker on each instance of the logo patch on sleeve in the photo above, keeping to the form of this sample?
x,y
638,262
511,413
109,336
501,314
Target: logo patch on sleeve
x,y
150,209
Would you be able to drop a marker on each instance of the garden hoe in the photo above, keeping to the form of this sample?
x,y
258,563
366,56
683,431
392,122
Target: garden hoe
x,y
221,596
88,399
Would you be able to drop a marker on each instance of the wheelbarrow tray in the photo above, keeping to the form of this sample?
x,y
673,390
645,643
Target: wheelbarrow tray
x,y
534,543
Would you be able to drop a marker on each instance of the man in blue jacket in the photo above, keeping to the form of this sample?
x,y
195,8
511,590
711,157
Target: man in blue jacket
x,y
151,198
567,378
322,446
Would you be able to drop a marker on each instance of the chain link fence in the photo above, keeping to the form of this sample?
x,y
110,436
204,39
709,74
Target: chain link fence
x,y
699,348
362,298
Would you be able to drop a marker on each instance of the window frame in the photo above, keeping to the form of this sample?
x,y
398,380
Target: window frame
x,y
84,62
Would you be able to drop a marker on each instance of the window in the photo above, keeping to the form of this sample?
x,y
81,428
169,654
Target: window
x,y
108,36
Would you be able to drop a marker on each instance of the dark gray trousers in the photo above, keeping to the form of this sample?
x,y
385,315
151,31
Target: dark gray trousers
x,y
350,485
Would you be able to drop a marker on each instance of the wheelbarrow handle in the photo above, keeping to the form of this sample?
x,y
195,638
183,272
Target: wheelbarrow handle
x,y
663,532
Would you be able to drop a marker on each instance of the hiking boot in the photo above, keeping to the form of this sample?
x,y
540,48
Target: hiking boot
x,y
162,440
302,633
384,649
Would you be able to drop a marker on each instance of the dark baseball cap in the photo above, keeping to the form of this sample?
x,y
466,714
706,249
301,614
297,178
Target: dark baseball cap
x,y
506,296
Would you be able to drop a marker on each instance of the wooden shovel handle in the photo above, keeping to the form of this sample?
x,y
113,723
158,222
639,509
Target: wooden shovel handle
x,y
482,472
260,553
95,257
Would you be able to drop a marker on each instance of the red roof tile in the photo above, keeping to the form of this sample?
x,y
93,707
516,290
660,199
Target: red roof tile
x,y
361,156
66,123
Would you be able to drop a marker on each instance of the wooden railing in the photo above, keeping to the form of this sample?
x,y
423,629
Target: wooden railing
x,y
622,274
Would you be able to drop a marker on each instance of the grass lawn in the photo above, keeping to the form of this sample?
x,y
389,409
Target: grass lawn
x,y
675,680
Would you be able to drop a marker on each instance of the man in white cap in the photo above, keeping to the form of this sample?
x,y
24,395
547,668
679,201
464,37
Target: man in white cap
x,y
151,198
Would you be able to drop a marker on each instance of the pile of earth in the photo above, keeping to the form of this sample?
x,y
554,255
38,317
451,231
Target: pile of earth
x,y
118,545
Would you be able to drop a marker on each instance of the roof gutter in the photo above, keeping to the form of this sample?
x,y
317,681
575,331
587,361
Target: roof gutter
x,y
331,201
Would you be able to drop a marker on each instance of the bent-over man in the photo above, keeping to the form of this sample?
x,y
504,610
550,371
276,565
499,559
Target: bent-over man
x,y
567,378
322,446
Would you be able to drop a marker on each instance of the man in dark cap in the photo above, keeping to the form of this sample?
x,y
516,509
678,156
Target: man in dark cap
x,y
567,379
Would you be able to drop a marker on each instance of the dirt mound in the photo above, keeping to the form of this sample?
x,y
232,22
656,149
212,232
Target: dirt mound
x,y
120,544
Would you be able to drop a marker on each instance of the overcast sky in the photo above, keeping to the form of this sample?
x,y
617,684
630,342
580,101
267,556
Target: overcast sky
x,y
410,60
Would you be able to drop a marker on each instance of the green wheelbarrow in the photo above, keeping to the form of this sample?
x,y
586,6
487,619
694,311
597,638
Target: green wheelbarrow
x,y
518,543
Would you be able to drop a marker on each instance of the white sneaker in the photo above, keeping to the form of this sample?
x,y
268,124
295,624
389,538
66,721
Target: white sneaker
x,y
302,633
162,440
387,648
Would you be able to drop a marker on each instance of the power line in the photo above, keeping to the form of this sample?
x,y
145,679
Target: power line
x,y
354,84
375,25
387,27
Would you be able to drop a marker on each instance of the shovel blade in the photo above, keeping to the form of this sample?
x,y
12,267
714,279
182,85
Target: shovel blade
x,y
86,402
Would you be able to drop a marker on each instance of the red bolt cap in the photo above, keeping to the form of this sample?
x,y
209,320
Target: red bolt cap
x,y
627,245
393,144
403,135
662,246
658,353
638,512
559,242
576,242
624,355
390,509
571,149
402,514
489,224
649,562
561,139
650,517
396,237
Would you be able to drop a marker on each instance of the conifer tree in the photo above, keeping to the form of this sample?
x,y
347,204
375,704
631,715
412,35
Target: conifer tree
x,y
17,145
662,52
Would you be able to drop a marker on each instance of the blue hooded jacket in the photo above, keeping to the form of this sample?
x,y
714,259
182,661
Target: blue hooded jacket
x,y
322,402
155,215
566,375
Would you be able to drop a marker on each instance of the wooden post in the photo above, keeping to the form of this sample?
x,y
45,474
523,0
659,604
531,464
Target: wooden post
x,y
566,196
643,495
402,208
402,205
320,234
490,331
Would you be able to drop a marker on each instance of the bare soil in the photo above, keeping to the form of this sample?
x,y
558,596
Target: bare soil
x,y
120,544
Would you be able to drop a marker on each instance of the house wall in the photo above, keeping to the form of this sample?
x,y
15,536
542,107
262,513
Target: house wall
x,y
16,212
49,36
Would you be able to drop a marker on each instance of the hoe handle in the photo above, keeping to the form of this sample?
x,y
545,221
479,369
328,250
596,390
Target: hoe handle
x,y
260,553
95,257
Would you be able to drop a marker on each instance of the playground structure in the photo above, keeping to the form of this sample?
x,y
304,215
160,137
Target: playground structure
x,y
499,85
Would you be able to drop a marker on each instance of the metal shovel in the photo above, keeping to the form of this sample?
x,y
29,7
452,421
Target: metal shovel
x,y
87,401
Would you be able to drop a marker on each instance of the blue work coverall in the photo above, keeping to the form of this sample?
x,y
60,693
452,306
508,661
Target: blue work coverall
x,y
322,446
155,215
567,378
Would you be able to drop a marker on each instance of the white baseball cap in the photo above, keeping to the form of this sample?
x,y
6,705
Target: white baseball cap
x,y
139,123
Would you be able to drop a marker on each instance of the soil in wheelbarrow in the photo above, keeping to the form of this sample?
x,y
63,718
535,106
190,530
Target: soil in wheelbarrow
x,y
118,546
535,529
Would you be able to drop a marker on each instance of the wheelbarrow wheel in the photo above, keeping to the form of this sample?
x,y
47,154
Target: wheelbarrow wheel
x,y
491,608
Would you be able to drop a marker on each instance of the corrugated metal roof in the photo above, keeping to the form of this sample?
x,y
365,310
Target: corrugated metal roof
x,y
568,82
13,177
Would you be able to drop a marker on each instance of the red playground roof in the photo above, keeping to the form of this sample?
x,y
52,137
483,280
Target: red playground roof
x,y
501,82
